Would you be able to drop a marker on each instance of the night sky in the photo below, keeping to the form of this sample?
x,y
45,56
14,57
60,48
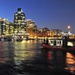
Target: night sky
x,y
53,14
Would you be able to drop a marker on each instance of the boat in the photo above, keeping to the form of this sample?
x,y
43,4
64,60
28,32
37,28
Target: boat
x,y
47,46
64,45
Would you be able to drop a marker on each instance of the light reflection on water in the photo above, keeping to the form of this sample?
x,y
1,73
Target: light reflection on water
x,y
70,62
30,52
24,50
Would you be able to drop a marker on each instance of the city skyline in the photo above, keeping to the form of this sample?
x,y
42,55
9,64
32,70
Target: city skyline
x,y
54,14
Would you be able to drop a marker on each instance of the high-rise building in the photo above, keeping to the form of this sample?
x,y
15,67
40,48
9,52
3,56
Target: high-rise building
x,y
31,27
6,27
19,22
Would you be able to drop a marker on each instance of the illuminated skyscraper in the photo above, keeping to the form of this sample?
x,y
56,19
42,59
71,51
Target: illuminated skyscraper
x,y
19,22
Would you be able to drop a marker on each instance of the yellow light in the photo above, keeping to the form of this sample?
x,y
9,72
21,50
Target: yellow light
x,y
69,58
25,41
70,44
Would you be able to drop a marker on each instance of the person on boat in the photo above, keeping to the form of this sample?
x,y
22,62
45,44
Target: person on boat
x,y
65,41
47,41
44,41
54,42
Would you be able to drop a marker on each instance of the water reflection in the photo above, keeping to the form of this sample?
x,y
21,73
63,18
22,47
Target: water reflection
x,y
24,51
70,62
24,55
2,53
50,56
27,57
56,59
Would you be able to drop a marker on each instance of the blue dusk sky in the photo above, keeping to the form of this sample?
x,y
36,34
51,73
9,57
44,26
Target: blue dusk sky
x,y
53,14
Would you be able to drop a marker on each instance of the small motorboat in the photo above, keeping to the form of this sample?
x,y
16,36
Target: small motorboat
x,y
45,45
55,47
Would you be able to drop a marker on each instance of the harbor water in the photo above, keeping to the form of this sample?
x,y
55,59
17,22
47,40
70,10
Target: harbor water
x,y
28,58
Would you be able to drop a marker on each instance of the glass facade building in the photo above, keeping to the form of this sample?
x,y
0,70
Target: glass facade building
x,y
19,22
